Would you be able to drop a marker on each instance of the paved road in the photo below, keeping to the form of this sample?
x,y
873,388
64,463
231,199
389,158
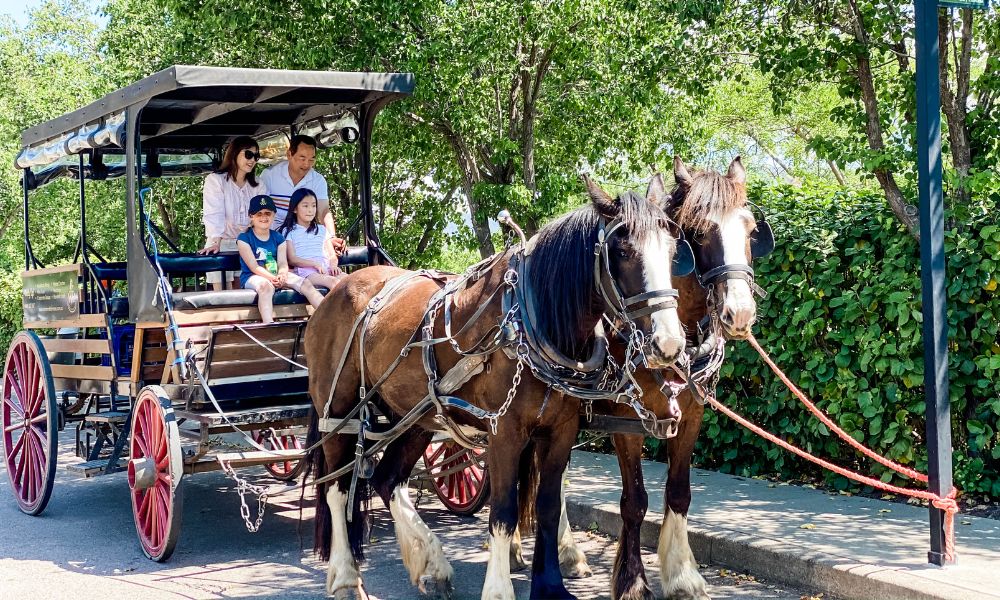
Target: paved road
x,y
84,546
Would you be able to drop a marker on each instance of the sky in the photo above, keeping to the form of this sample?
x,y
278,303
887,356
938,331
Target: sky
x,y
18,9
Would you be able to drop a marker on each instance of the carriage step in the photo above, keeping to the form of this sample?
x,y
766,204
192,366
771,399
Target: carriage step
x,y
93,468
247,459
111,416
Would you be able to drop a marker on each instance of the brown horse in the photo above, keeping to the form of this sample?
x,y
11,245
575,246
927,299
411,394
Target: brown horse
x,y
716,302
563,279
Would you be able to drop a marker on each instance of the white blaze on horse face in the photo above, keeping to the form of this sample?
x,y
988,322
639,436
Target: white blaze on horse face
x,y
667,335
497,585
739,308
678,568
342,572
422,554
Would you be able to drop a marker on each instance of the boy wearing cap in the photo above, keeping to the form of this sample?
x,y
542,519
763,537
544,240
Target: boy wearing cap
x,y
264,260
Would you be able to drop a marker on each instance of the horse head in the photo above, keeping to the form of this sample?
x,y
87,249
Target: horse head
x,y
637,238
726,236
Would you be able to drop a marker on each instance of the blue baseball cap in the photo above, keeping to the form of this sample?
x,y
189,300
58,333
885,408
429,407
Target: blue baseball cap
x,y
261,202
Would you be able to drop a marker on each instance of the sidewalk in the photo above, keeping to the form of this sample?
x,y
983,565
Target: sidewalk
x,y
850,547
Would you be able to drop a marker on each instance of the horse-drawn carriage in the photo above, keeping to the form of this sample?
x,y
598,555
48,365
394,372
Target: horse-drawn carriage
x,y
147,361
158,365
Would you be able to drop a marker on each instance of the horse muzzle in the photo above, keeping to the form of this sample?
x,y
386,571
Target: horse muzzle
x,y
664,350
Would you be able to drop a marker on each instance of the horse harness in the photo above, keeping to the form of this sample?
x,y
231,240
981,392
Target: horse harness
x,y
516,334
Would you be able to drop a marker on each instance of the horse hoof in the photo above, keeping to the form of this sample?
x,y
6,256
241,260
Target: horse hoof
x,y
517,562
575,570
432,587
686,595
350,593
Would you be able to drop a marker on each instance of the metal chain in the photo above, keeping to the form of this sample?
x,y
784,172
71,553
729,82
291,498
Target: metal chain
x,y
242,487
522,357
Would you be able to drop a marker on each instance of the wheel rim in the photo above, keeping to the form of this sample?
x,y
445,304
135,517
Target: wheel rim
x,y
153,507
29,427
273,441
461,490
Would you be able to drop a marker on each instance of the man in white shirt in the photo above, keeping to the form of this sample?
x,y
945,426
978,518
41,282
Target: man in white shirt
x,y
296,172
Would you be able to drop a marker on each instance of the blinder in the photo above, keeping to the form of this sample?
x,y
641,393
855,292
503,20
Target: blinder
x,y
683,259
762,239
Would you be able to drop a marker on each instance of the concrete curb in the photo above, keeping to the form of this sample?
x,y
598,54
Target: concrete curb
x,y
776,560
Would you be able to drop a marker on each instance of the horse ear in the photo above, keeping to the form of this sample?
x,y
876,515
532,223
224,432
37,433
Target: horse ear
x,y
736,171
681,174
602,201
655,193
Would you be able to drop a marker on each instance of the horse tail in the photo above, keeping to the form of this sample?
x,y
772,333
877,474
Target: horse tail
x,y
357,528
312,436
528,477
315,466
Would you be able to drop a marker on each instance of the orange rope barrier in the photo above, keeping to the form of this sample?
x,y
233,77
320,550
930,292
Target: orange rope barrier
x,y
946,503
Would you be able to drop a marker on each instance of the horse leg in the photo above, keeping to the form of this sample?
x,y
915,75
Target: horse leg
x,y
572,561
678,567
343,578
628,579
503,468
517,562
421,550
552,457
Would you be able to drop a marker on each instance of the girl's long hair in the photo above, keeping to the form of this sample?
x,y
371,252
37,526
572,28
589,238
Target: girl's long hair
x,y
229,166
291,220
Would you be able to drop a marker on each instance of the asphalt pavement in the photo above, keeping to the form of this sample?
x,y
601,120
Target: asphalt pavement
x,y
84,547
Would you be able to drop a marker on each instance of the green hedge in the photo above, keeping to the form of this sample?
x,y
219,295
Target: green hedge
x,y
842,318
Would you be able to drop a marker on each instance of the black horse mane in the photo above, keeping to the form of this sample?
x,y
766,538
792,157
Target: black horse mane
x,y
562,268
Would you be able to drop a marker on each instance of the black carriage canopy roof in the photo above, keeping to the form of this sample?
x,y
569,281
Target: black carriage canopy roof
x,y
190,112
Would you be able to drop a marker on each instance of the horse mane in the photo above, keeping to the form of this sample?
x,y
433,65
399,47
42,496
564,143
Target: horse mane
x,y
710,194
561,271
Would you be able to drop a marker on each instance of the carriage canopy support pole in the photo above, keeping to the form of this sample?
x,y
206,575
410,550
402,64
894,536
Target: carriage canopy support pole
x,y
27,244
935,305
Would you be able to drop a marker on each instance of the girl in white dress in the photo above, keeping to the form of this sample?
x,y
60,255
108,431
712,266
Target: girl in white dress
x,y
310,247
225,203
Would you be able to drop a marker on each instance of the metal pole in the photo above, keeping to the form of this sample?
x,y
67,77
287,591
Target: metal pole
x,y
26,175
83,213
935,301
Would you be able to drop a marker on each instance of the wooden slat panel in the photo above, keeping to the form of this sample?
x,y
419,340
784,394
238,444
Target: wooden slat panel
x,y
274,332
250,351
155,354
96,373
98,321
245,367
239,315
84,346
60,269
152,372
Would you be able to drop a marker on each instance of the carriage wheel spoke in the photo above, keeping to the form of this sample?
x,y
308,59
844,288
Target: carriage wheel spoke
x,y
15,388
437,453
21,458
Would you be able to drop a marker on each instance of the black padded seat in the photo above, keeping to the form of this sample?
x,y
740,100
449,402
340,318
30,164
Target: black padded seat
x,y
115,271
183,262
188,300
118,307
354,256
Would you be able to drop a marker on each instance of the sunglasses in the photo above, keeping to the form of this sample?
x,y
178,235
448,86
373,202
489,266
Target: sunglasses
x,y
251,155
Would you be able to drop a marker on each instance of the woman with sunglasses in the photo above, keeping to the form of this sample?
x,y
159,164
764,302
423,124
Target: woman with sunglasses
x,y
226,200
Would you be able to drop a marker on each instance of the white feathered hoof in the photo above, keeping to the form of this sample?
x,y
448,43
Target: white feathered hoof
x,y
693,588
573,563
351,593
517,559
432,587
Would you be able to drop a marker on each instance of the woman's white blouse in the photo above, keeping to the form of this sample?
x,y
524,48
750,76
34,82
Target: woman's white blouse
x,y
225,206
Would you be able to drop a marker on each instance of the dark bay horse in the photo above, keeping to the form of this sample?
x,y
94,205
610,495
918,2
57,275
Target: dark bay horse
x,y
569,282
718,301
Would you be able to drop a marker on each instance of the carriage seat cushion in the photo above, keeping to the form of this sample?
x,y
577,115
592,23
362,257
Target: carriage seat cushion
x,y
181,262
118,307
188,300
354,256
115,271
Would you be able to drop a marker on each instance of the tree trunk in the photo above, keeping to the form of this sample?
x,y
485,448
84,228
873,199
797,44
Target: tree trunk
x,y
777,160
954,100
906,213
470,177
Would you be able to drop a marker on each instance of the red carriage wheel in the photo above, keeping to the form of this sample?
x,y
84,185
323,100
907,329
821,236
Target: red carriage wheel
x,y
460,478
30,421
286,470
154,473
